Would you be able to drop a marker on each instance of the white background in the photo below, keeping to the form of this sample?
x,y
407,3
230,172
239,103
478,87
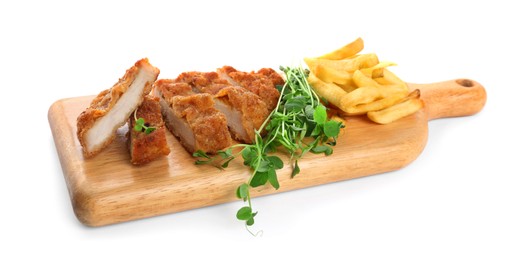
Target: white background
x,y
465,197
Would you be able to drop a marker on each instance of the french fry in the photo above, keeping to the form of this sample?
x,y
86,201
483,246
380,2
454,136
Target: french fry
x,y
362,80
389,90
359,96
383,81
349,65
348,87
332,75
414,94
329,91
397,111
377,71
373,106
346,51
391,78
366,61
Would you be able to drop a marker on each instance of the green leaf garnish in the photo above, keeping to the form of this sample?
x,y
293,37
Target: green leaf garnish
x,y
298,124
250,221
200,153
244,213
141,126
260,178
242,191
148,130
296,169
320,115
332,128
322,149
273,178
275,161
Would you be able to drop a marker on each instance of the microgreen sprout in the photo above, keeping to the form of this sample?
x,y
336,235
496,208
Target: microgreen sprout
x,y
299,123
141,126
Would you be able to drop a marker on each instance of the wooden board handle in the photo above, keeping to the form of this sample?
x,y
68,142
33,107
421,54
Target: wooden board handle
x,y
452,98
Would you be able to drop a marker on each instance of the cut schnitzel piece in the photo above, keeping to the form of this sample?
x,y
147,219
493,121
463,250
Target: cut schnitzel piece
x,y
96,126
192,117
245,111
149,143
262,83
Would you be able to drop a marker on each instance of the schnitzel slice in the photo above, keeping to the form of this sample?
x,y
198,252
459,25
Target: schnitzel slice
x,y
96,126
149,143
192,117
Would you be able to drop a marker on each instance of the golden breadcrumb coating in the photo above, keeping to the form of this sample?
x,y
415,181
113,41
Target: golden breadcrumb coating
x,y
261,83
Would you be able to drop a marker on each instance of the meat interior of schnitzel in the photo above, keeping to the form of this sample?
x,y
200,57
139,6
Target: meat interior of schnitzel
x,y
192,117
96,126
149,143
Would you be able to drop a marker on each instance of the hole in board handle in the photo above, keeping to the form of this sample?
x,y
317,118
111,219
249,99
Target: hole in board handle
x,y
465,83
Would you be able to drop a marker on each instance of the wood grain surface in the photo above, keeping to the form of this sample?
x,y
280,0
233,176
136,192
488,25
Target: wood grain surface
x,y
108,189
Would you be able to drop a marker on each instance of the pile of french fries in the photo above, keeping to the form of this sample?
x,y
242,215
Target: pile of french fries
x,y
359,84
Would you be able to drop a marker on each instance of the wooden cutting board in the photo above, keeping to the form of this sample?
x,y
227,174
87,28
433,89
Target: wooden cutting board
x,y
107,189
